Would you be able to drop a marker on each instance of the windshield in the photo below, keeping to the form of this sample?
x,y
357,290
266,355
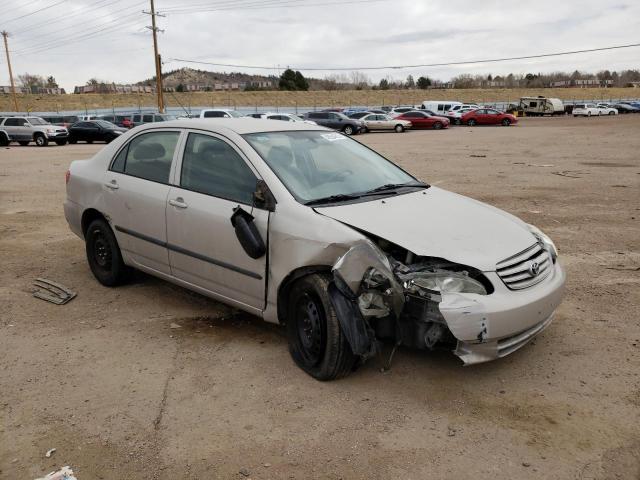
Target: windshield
x,y
37,121
318,164
233,113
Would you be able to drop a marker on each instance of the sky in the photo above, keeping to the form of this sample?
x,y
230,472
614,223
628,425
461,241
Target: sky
x,y
75,40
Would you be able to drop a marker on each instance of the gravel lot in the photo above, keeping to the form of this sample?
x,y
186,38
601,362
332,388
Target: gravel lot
x,y
121,395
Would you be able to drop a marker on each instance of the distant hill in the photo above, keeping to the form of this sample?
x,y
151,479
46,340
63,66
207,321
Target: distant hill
x,y
190,76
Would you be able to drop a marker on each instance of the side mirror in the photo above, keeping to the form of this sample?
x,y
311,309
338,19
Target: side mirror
x,y
247,233
263,198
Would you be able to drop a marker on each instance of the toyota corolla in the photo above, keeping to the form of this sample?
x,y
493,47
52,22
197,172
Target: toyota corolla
x,y
309,228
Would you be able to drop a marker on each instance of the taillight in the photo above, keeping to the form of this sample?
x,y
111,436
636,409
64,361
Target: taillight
x,y
67,176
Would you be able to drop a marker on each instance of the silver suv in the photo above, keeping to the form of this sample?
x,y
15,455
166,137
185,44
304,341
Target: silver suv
x,y
33,129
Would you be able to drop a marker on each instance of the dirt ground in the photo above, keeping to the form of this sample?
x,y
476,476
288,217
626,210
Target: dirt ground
x,y
121,395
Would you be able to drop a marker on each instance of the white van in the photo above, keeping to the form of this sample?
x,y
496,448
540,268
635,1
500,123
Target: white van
x,y
440,106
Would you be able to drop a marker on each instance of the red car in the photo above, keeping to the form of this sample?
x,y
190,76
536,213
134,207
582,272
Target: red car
x,y
487,116
421,120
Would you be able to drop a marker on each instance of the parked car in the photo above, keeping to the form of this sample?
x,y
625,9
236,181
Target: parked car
x,y
336,121
94,131
457,108
605,109
585,110
454,116
626,108
287,117
60,120
219,113
487,116
142,118
302,206
256,115
377,121
422,120
34,129
396,112
87,117
121,120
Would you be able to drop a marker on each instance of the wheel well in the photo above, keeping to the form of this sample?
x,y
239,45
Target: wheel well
x,y
287,283
89,216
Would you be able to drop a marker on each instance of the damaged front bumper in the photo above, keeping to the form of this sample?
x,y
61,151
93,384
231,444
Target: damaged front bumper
x,y
493,326
375,297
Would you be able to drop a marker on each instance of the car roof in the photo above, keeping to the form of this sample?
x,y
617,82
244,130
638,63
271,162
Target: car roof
x,y
240,126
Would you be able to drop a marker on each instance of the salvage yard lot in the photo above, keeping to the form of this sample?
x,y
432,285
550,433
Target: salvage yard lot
x,y
152,381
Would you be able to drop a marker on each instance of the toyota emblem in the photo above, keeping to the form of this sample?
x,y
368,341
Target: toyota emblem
x,y
534,268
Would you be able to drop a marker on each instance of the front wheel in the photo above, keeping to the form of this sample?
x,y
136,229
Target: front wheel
x,y
471,122
506,122
399,129
316,341
41,140
103,255
612,113
437,126
348,130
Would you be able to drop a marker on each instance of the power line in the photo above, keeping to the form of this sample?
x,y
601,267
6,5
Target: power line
x,y
36,11
399,67
265,5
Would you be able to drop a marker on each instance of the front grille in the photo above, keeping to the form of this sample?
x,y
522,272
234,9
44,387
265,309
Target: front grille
x,y
518,272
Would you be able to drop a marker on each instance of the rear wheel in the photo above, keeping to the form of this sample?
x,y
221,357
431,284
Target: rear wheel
x,y
588,113
506,122
4,141
103,255
437,126
348,130
471,122
316,341
399,128
41,140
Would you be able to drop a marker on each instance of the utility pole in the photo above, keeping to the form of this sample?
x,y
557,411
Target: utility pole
x,y
13,87
156,56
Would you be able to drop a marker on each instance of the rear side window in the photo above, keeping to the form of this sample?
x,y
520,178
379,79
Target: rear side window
x,y
148,156
15,122
147,118
211,166
214,114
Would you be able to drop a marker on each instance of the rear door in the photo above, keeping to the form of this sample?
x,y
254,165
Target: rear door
x,y
18,128
136,188
214,178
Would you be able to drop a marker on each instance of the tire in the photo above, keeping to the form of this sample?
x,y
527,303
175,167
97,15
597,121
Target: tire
x,y
588,113
41,140
103,255
506,122
4,141
316,342
611,113
399,128
471,122
24,143
61,142
73,141
437,126
348,130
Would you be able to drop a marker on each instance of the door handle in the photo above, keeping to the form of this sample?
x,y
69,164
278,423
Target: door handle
x,y
178,203
113,184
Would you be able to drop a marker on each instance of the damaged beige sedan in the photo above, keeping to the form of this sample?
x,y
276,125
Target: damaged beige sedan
x,y
306,227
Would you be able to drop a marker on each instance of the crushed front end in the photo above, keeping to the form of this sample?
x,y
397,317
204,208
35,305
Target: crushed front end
x,y
383,292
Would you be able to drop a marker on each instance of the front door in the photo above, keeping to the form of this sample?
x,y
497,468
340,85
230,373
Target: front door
x,y
214,178
136,188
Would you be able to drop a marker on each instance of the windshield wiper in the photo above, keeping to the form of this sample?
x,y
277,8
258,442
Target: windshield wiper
x,y
393,186
332,198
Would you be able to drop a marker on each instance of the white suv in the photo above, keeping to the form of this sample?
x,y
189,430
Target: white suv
x,y
219,113
585,110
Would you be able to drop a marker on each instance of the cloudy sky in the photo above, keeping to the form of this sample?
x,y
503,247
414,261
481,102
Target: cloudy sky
x,y
74,40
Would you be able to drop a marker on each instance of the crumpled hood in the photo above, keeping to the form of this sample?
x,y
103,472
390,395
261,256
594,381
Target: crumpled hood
x,y
438,223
